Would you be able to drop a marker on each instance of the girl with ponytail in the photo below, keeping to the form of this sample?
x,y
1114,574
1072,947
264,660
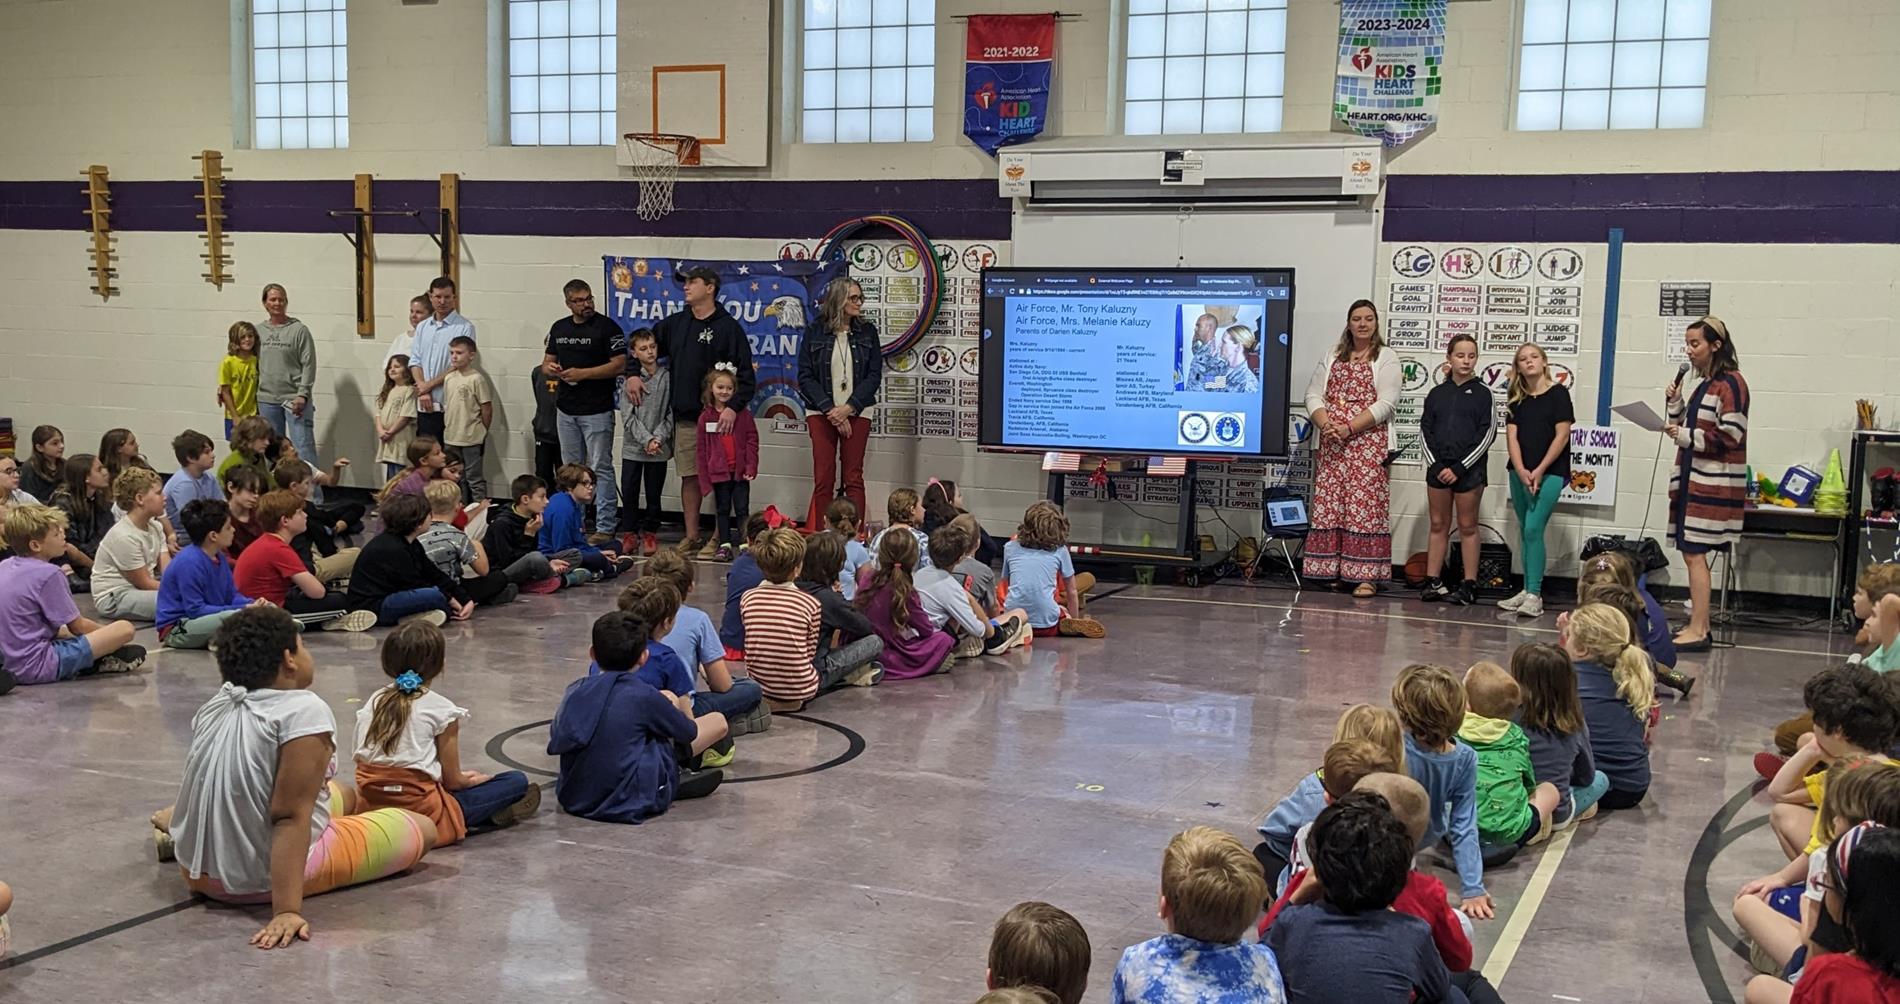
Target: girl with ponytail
x,y
408,746
1618,693
912,647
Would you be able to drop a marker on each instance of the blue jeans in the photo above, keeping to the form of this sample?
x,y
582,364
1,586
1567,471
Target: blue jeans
x,y
480,803
302,430
1583,798
589,439
735,703
396,606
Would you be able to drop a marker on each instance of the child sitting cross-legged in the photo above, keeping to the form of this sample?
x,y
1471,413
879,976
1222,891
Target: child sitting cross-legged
x,y
1856,712
1341,938
847,640
133,556
409,751
1877,606
1431,705
271,570
317,544
395,578
199,592
1552,719
1371,723
621,741
1618,692
743,577
696,641
258,819
782,622
1513,808
1041,578
912,646
950,607
42,636
655,601
1211,891
906,514
243,486
561,537
455,555
1043,947
841,518
510,542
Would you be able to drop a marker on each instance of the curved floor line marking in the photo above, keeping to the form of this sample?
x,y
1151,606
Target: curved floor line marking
x,y
1701,922
854,748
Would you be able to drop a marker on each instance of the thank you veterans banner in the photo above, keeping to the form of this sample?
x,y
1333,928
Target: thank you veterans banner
x,y
772,300
1391,55
1010,63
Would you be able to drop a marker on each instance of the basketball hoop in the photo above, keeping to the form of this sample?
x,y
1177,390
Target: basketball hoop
x,y
656,158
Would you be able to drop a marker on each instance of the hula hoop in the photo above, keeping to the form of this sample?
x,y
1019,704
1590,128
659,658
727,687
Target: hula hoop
x,y
832,246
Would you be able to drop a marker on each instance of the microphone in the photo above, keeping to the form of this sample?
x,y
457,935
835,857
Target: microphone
x,y
1681,371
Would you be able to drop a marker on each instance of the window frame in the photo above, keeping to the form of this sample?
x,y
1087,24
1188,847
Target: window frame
x,y
1660,88
797,71
1120,75
606,80
245,99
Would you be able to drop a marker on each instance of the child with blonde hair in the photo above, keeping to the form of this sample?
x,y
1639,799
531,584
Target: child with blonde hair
x,y
237,374
1211,891
408,746
1300,807
458,557
1514,809
1431,705
132,557
1551,715
36,604
1040,578
1617,692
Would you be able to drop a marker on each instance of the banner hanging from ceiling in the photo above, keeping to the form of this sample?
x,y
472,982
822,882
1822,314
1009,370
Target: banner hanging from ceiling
x,y
1009,65
1391,60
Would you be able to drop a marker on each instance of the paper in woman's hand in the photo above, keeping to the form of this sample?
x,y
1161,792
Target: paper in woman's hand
x,y
1641,415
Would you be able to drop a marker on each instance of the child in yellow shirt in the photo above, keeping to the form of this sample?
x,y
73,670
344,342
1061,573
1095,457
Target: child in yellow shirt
x,y
237,375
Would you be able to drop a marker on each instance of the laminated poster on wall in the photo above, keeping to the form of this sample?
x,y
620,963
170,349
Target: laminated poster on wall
x,y
1594,451
1391,61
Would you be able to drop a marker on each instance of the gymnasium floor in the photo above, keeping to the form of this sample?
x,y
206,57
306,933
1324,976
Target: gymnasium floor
x,y
875,840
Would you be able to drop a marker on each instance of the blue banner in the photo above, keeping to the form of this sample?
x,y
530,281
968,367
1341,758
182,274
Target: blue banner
x,y
1010,62
772,300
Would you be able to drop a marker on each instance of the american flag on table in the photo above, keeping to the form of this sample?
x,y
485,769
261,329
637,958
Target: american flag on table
x,y
1054,461
1167,467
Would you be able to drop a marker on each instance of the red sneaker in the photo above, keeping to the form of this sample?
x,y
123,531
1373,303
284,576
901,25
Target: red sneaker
x,y
649,544
629,543
543,586
1769,764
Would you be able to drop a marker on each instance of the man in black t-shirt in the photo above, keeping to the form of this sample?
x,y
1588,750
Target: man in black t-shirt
x,y
694,339
587,353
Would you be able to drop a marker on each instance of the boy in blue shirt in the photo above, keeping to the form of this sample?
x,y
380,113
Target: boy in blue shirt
x,y
621,741
197,591
193,479
1211,891
1430,701
693,637
562,536
656,601
741,578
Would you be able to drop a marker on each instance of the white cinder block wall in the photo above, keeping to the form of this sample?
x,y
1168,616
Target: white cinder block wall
x,y
1789,89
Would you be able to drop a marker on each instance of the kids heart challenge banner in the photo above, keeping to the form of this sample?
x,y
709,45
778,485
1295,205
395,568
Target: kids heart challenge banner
x,y
1391,57
1010,63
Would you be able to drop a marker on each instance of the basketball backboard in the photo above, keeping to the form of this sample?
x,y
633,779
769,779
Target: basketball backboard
x,y
700,68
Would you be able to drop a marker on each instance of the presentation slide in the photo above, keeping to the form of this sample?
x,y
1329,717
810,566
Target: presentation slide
x,y
1147,361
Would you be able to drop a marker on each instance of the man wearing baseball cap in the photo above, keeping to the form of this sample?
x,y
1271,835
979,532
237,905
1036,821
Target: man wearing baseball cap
x,y
694,340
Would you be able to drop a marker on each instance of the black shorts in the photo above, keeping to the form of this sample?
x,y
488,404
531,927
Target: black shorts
x,y
1470,481
1531,831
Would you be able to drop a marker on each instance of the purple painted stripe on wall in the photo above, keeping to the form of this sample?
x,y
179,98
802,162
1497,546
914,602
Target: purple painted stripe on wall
x,y
946,210
1736,207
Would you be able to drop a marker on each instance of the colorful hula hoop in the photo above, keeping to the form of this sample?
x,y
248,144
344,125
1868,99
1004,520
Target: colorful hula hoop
x,y
832,246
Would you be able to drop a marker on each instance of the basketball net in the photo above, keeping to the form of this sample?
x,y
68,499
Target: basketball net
x,y
656,159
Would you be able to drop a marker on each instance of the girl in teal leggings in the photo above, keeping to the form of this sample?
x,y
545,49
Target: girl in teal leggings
x,y
1537,430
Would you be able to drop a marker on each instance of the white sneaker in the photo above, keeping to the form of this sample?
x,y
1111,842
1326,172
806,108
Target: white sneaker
x,y
435,617
1533,606
1514,602
355,620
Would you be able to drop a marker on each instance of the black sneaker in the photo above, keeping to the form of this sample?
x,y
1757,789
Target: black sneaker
x,y
7,682
508,594
125,660
1434,591
1006,635
698,783
1466,594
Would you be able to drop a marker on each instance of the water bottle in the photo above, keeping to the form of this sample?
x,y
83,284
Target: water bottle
x,y
1753,492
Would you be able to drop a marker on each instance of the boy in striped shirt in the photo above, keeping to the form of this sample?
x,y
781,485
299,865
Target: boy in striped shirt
x,y
781,623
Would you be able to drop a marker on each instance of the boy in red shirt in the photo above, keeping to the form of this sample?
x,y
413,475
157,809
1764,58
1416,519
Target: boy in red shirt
x,y
271,569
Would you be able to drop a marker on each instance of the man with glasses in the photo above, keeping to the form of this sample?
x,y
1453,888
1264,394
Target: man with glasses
x,y
587,353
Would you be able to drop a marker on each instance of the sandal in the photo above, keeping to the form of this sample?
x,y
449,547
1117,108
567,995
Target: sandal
x,y
1365,591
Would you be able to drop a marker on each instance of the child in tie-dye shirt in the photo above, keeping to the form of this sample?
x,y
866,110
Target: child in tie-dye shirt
x,y
1211,891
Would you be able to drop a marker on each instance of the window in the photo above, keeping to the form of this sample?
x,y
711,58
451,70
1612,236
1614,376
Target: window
x,y
869,68
300,92
561,72
1197,66
1613,64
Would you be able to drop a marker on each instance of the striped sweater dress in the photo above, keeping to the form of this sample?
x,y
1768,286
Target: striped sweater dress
x,y
1709,487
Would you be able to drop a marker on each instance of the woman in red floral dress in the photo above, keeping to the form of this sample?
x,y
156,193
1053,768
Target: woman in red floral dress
x,y
1351,399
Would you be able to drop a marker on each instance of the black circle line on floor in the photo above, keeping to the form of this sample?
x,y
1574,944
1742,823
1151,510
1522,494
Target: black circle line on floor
x,y
90,936
1702,922
853,750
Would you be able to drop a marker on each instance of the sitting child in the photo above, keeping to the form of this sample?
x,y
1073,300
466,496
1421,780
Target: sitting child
x,y
1618,693
426,462
978,578
1376,725
912,647
317,545
695,640
199,591
396,579
83,496
1040,577
243,486
193,479
250,440
258,819
621,741
847,640
458,557
132,557
271,570
842,519
1431,705
741,578
1553,724
562,535
1862,867
36,609
1877,606
1513,808
950,607
340,518
1345,764
510,542
906,513
656,601
1342,940
1211,891
1856,713
409,752
943,504
782,622
1040,946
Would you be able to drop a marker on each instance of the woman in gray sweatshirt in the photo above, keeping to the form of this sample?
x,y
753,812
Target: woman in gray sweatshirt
x,y
287,374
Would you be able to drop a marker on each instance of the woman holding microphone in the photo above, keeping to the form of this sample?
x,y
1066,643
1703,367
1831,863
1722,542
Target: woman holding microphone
x,y
1708,422
1351,398
840,363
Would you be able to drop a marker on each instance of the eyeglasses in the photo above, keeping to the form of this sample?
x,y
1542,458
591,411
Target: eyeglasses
x,y
855,298
581,299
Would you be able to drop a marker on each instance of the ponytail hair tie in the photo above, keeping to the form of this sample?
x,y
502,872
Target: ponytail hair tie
x,y
409,682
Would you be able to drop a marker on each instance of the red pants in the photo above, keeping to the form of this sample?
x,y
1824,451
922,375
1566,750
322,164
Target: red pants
x,y
826,447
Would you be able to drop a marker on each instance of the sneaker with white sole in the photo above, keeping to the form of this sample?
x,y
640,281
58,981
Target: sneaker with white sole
x,y
126,659
757,720
355,620
866,675
435,617
1514,602
1533,606
969,647
1009,634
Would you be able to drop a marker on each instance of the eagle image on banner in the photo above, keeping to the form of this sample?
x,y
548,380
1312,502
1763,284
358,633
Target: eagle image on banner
x,y
1391,55
1010,61
771,300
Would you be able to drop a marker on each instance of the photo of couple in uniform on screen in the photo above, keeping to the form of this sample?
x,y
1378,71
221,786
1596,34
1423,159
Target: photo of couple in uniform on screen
x,y
1218,347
